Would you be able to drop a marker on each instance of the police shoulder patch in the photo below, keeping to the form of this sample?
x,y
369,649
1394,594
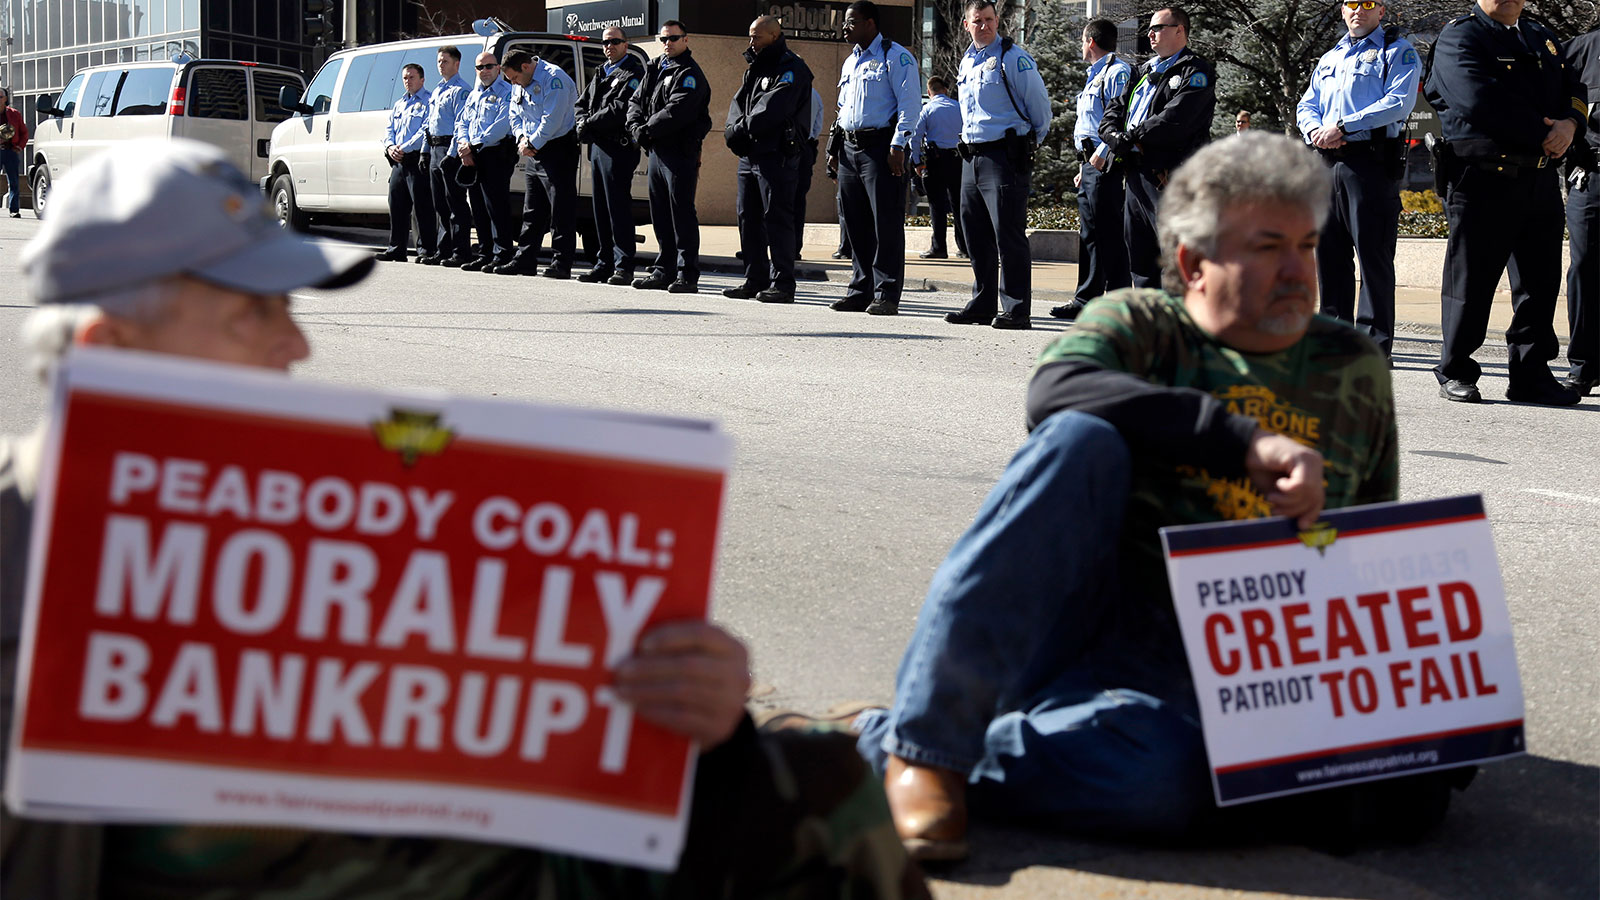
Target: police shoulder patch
x,y
633,84
555,84
689,82
1409,58
905,60
1119,80
1198,80
1024,63
786,78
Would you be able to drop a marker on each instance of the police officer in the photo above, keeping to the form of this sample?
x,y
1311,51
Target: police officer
x,y
879,94
1102,249
483,139
449,197
1583,225
1162,118
768,120
542,98
669,118
808,166
1361,93
935,154
1005,112
1509,107
602,123
408,173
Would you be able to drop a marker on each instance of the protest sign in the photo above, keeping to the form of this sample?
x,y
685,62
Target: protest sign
x,y
1373,646
259,600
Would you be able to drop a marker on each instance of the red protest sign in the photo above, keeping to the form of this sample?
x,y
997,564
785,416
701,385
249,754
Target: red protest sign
x,y
427,599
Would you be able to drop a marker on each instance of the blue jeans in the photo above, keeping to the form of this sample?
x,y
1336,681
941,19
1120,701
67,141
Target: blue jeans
x,y
11,163
1004,678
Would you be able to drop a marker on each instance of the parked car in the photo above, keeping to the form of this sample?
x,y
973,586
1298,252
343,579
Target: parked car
x,y
231,104
326,162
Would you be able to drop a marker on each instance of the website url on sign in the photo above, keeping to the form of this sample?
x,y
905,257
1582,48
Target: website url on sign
x,y
381,809
1368,766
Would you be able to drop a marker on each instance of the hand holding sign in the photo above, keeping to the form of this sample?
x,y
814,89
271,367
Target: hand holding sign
x,y
688,677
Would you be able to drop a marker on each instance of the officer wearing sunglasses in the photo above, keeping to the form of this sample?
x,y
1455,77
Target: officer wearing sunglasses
x,y
1162,118
1360,95
669,118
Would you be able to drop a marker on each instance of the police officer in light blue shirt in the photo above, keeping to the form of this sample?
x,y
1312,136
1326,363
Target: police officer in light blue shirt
x,y
879,100
403,144
483,139
1005,112
1102,250
449,197
1361,93
542,97
934,150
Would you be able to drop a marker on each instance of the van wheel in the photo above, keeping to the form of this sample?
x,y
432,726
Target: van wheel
x,y
41,191
289,215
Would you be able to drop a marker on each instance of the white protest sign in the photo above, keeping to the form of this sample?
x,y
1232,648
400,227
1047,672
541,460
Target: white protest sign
x,y
1374,646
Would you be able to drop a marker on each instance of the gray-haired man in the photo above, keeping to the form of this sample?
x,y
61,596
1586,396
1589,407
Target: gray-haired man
x,y
1053,608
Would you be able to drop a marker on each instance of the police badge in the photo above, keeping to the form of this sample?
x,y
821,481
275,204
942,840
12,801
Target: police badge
x,y
1173,82
991,65
1551,46
1369,56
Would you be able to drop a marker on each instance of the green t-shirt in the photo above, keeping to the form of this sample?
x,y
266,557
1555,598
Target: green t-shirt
x,y
1330,391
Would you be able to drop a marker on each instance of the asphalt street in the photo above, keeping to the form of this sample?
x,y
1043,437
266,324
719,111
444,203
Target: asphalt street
x,y
864,445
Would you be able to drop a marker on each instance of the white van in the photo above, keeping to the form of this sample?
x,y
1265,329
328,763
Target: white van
x,y
231,104
327,161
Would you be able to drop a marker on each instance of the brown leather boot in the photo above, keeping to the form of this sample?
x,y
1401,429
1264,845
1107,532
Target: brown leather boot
x,y
929,805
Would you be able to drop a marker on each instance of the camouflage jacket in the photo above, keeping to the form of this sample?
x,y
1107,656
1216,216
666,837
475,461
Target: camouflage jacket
x,y
1187,415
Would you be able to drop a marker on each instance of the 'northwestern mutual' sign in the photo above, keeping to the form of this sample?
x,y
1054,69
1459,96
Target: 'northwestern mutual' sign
x,y
591,19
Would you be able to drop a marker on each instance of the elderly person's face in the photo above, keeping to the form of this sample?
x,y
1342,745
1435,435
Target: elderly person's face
x,y
488,69
1260,291
204,321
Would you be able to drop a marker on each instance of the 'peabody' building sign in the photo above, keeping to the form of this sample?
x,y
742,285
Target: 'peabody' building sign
x,y
825,21
591,19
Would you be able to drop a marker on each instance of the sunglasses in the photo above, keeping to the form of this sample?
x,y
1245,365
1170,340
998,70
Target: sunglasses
x,y
612,42
1361,4
1156,29
488,66
669,38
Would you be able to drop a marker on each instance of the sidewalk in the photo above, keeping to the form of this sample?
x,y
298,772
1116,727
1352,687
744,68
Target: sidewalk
x,y
1416,309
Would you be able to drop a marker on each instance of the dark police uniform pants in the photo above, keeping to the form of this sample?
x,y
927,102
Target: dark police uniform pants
x,y
1583,281
674,173
802,187
1494,218
550,203
943,182
1102,252
994,214
449,204
1139,228
409,188
1365,220
491,200
766,219
873,203
611,174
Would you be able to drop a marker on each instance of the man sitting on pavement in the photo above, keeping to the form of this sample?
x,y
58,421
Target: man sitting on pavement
x,y
209,279
1046,676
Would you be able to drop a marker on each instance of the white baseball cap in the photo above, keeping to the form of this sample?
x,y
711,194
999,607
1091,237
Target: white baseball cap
x,y
151,209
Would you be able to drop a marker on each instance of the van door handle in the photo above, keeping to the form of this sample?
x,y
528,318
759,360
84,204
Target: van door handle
x,y
327,129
